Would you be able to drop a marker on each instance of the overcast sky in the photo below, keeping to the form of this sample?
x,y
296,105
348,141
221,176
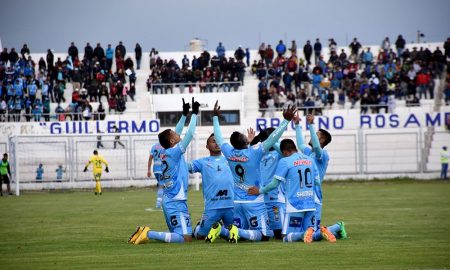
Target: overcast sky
x,y
168,25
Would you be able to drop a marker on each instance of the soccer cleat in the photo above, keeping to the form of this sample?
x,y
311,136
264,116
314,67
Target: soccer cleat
x,y
342,232
214,232
135,235
327,235
142,236
308,236
234,234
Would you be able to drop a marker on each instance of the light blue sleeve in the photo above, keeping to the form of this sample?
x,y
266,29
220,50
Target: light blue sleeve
x,y
277,148
195,166
271,186
190,132
217,132
315,142
180,125
299,137
276,134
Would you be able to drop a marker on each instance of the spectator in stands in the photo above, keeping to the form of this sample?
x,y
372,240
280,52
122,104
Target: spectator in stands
x,y
269,55
121,50
220,50
354,48
73,51
307,51
317,51
4,56
13,57
262,51
59,173
247,56
386,44
109,56
39,172
25,51
239,53
117,137
88,52
332,45
99,52
444,162
400,44
138,55
281,48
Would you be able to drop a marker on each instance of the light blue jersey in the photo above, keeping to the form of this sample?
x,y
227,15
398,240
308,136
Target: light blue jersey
x,y
217,181
268,167
299,175
244,165
155,153
175,175
322,165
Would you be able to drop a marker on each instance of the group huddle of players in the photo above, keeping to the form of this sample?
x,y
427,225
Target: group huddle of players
x,y
254,188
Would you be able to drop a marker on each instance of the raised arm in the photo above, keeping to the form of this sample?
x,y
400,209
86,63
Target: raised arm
x,y
192,125
180,125
288,114
217,132
298,133
314,139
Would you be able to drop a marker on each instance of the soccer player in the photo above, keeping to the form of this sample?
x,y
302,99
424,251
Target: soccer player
x,y
250,211
97,162
217,187
320,156
5,173
174,180
275,199
155,153
299,174
39,172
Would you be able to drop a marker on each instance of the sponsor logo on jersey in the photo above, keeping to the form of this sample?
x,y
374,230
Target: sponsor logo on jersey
x,y
302,162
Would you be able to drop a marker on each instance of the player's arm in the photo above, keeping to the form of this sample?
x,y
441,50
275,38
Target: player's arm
x,y
149,165
217,132
180,125
314,139
87,165
277,148
192,125
298,133
106,164
288,114
269,187
195,166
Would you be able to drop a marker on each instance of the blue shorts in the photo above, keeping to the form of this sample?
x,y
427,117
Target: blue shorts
x,y
210,217
317,216
298,222
252,216
275,211
177,217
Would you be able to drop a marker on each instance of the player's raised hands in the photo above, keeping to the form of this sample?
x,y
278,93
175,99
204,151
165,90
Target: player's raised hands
x,y
251,133
310,119
297,118
195,106
216,111
186,107
289,112
253,190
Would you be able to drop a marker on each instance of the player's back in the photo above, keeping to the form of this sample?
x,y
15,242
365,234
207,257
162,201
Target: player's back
x,y
244,165
174,178
300,174
156,152
97,161
217,181
322,165
268,167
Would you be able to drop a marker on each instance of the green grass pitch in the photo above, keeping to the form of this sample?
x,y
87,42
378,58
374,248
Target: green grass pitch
x,y
399,224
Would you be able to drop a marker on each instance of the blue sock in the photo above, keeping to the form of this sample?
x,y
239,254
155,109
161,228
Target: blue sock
x,y
159,198
165,237
250,235
317,236
335,229
294,237
224,233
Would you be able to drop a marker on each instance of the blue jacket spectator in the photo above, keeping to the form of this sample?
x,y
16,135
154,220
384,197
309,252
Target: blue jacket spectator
x,y
220,50
281,48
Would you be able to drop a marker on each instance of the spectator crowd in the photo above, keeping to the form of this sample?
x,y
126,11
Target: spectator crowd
x,y
376,81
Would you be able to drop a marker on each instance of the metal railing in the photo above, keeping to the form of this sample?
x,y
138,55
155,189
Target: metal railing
x,y
197,87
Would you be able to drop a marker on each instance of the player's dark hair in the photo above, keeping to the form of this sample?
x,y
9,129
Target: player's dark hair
x,y
164,138
237,141
212,135
263,135
95,152
327,137
287,145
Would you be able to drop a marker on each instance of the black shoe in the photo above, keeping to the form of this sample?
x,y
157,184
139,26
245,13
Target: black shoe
x,y
95,193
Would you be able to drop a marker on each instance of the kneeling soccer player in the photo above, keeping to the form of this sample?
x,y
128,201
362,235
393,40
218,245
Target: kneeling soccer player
x,y
299,174
174,180
217,187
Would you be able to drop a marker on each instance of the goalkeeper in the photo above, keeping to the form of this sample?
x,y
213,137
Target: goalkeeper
x,y
97,162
